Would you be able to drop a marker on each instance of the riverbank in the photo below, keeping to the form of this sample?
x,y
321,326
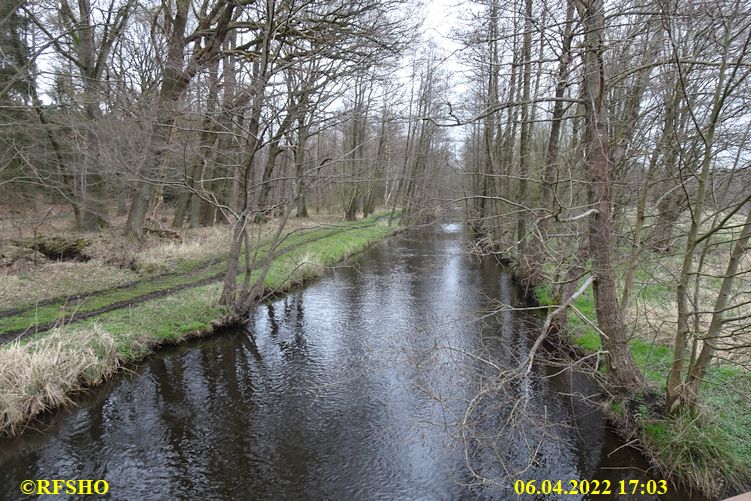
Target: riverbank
x,y
709,451
352,382
43,371
38,296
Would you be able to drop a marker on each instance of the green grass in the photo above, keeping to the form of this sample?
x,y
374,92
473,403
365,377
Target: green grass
x,y
617,408
172,317
310,260
581,333
647,288
62,309
139,329
704,449
707,449
545,295
652,359
292,244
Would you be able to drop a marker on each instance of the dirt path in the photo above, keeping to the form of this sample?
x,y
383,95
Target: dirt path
x,y
14,334
61,318
61,300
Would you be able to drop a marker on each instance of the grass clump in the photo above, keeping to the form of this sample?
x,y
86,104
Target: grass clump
x,y
698,450
617,408
42,374
544,295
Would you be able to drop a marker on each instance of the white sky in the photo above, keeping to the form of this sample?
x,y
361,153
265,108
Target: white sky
x,y
441,18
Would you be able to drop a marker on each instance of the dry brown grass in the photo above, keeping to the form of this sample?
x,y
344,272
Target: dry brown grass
x,y
115,258
197,245
43,373
51,280
308,265
653,320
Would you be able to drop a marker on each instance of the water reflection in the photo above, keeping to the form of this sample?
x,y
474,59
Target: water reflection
x,y
349,389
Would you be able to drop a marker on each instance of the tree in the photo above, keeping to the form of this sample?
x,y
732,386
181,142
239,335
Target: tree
x,y
732,47
87,41
288,37
621,367
212,27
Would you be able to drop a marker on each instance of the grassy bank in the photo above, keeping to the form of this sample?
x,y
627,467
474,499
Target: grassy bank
x,y
160,269
177,277
43,371
710,450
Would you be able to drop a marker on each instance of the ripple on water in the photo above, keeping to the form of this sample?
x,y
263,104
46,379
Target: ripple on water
x,y
350,389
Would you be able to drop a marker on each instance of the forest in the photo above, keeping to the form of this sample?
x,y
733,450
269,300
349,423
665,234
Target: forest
x,y
169,169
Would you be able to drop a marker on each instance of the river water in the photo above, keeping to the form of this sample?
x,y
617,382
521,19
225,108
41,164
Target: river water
x,y
356,387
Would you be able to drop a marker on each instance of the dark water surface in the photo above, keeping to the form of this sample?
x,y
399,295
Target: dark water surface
x,y
356,389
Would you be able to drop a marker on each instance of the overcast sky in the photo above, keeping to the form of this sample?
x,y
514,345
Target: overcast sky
x,y
441,17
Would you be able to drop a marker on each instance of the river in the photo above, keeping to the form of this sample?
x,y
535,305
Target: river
x,y
355,387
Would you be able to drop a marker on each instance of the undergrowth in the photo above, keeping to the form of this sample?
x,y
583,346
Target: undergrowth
x,y
709,450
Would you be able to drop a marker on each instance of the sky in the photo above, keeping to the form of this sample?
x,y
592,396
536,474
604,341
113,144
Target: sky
x,y
441,18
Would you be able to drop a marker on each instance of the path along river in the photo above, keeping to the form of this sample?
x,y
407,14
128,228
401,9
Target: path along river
x,y
356,388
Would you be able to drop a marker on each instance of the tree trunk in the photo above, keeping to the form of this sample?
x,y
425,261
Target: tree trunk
x,y
229,291
669,209
300,156
699,369
531,262
189,199
526,126
174,82
676,392
622,371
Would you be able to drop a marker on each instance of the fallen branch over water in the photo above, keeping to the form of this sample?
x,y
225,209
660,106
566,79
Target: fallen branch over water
x,y
546,326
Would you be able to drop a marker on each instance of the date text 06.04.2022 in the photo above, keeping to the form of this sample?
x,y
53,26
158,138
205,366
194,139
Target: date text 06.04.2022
x,y
590,487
